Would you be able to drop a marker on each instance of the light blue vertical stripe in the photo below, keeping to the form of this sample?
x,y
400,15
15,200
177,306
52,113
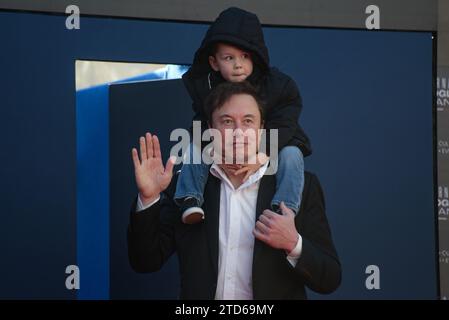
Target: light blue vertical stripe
x,y
92,124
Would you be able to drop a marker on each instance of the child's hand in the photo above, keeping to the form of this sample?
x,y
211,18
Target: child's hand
x,y
231,168
249,169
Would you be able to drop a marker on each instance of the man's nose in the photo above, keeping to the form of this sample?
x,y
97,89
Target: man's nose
x,y
238,131
239,134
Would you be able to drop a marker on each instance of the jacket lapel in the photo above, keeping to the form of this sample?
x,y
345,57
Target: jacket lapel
x,y
264,196
212,210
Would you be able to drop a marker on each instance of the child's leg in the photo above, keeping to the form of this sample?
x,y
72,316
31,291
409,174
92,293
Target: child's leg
x,y
190,187
289,178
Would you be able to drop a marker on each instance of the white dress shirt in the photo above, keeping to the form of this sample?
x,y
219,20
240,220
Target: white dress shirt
x,y
236,239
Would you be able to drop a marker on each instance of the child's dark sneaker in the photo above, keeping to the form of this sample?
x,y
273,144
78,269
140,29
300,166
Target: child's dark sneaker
x,y
191,212
276,208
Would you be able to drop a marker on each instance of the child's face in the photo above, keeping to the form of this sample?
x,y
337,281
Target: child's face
x,y
234,64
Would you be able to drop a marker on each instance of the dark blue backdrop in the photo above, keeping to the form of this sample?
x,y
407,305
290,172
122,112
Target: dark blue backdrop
x,y
367,108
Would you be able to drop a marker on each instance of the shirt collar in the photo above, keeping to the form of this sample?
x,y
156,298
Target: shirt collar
x,y
254,178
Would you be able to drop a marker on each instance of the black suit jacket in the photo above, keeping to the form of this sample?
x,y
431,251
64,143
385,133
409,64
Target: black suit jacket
x,y
157,232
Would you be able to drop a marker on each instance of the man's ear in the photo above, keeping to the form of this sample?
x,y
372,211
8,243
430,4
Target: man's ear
x,y
213,63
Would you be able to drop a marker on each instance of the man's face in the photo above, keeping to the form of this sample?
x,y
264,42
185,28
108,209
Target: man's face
x,y
238,122
234,64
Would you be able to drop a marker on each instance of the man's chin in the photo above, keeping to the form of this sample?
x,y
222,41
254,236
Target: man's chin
x,y
236,160
244,159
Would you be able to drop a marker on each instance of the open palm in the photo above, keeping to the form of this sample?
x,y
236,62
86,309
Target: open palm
x,y
151,176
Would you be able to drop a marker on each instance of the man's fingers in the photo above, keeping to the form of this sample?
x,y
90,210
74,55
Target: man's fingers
x,y
285,210
143,149
270,214
135,156
262,228
156,147
259,235
169,166
265,220
149,141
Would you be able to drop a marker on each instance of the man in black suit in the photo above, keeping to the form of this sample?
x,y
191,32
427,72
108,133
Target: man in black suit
x,y
242,250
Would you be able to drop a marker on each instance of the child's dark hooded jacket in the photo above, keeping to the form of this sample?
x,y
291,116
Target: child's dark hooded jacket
x,y
279,92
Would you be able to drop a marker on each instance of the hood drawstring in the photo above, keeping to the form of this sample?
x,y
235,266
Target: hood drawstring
x,y
208,80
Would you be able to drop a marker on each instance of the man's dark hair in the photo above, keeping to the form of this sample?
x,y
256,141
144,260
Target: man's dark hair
x,y
224,91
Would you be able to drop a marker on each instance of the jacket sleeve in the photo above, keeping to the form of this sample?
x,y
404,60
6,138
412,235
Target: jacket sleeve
x,y
285,114
199,116
318,265
151,235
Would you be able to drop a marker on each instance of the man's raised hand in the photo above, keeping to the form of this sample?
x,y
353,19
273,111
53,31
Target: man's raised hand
x,y
151,176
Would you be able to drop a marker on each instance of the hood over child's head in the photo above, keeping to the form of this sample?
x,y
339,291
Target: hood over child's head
x,y
234,29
